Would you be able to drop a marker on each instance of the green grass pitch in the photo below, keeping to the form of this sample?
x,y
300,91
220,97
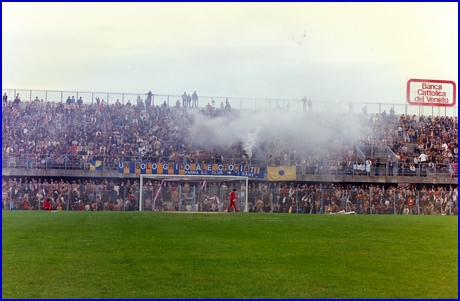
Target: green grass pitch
x,y
227,255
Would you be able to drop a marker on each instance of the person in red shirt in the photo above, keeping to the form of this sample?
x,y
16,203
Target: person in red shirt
x,y
233,197
47,205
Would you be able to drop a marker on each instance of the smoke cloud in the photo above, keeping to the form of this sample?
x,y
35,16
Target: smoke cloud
x,y
259,133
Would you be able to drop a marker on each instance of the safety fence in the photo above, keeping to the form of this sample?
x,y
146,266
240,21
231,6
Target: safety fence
x,y
142,99
214,197
331,167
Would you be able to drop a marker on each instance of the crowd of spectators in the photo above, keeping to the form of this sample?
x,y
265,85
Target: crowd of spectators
x,y
69,135
53,135
279,197
420,143
40,134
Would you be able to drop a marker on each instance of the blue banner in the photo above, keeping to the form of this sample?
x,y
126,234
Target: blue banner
x,y
192,169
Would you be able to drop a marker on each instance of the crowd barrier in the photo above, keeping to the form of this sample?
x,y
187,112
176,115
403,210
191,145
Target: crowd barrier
x,y
109,98
268,198
75,162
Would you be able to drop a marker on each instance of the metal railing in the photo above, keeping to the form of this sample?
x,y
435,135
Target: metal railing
x,y
214,198
27,95
79,162
373,151
332,167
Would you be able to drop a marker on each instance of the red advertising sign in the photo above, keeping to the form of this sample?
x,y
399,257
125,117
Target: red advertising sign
x,y
430,92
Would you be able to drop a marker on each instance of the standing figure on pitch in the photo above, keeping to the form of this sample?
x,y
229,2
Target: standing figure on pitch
x,y
233,197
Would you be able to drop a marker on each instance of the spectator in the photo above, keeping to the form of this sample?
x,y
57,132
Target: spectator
x,y
189,101
47,205
148,101
304,103
140,102
368,166
423,158
195,100
184,100
17,100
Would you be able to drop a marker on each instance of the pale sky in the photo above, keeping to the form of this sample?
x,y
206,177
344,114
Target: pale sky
x,y
363,52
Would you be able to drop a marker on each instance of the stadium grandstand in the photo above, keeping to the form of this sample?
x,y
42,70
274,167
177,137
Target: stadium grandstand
x,y
86,151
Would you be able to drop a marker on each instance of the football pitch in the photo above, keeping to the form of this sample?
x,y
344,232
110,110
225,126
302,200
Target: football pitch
x,y
227,255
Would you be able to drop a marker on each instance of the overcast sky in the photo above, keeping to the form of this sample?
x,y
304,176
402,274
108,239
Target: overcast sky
x,y
326,51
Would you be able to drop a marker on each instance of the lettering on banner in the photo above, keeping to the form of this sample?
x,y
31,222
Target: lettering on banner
x,y
192,169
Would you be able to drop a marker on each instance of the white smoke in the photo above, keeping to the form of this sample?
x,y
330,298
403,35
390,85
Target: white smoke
x,y
251,142
291,131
